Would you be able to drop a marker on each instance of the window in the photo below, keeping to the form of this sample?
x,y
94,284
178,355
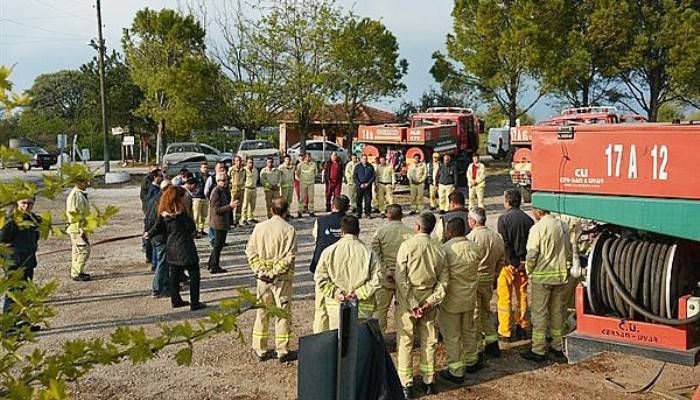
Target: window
x,y
256,145
314,146
183,148
208,150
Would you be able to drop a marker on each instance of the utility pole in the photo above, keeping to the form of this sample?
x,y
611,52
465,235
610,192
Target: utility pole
x,y
101,65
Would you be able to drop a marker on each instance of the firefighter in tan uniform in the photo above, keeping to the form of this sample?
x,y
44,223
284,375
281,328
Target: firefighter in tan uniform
x,y
547,264
271,252
349,183
385,244
456,317
306,172
385,184
237,175
417,174
421,278
575,225
348,271
270,178
476,181
250,184
77,210
434,167
287,180
493,259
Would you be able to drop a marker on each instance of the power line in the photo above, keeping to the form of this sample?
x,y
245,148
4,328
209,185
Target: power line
x,y
63,11
40,28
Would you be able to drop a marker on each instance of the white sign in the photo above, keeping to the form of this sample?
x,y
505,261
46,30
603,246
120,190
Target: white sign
x,y
118,130
62,140
128,141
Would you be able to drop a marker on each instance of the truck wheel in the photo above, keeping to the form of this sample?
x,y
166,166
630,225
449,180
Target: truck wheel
x,y
526,194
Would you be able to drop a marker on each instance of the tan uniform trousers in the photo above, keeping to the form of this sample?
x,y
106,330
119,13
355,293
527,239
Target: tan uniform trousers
x,y
406,325
434,199
416,197
384,297
279,294
287,193
476,195
80,252
547,312
510,281
349,190
269,195
569,304
484,293
320,312
385,195
249,199
444,193
306,190
238,194
460,337
200,210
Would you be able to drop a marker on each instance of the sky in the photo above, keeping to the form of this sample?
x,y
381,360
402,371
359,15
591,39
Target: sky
x,y
41,36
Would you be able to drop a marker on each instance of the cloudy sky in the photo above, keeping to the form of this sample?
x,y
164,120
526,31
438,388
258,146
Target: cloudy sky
x,y
39,36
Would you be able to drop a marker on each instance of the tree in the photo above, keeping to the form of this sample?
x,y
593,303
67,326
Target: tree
x,y
684,56
165,52
10,100
366,60
432,97
495,118
492,48
60,94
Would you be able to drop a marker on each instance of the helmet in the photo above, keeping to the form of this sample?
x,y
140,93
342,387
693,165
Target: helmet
x,y
436,155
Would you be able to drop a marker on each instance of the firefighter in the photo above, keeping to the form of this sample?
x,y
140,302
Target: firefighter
x,y
326,232
237,175
250,184
417,175
200,205
457,210
432,181
476,181
287,180
514,226
271,252
575,225
421,277
447,181
348,271
77,210
306,173
350,189
385,184
270,178
385,244
493,258
456,317
547,265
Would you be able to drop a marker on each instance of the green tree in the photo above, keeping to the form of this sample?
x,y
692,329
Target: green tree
x,y
669,112
432,97
490,50
165,52
10,100
684,56
495,118
366,61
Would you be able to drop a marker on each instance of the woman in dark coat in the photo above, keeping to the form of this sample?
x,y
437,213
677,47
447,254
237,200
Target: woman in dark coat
x,y
179,229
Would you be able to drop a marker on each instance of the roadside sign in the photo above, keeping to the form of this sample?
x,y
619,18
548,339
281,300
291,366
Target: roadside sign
x,y
117,130
62,140
128,141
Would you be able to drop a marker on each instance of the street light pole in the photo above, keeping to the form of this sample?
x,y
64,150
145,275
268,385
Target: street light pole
x,y
101,65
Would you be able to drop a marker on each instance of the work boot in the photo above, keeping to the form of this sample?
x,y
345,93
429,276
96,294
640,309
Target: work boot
x,y
492,350
521,333
217,271
268,355
532,356
558,356
447,375
505,339
198,306
287,358
409,392
312,214
430,389
412,212
472,369
299,215
181,303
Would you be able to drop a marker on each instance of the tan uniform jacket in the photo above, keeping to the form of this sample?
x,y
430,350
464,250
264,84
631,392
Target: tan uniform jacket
x,y
270,178
348,266
272,248
548,251
385,244
385,174
77,210
349,169
286,176
417,174
493,252
575,225
480,175
251,178
237,178
436,167
463,258
306,172
421,273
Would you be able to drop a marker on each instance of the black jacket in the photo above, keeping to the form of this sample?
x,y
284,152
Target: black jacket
x,y
220,211
447,174
514,226
149,219
178,230
143,194
328,232
24,242
201,182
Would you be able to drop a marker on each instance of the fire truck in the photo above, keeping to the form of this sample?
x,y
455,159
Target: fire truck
x,y
521,138
447,130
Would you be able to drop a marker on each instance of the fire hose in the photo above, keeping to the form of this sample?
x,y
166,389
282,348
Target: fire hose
x,y
101,242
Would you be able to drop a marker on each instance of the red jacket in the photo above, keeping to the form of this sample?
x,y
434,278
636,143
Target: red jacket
x,y
333,172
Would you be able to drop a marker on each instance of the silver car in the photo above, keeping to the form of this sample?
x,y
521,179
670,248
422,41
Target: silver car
x,y
315,147
259,151
189,155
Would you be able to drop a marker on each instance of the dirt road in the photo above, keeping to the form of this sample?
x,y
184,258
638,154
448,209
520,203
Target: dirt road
x,y
223,367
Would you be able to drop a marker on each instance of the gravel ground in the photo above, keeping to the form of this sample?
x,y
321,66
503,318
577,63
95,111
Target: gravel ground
x,y
223,367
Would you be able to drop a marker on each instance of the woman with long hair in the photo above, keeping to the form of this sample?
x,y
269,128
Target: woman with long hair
x,y
178,227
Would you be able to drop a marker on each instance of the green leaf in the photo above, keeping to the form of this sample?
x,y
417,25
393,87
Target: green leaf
x,y
184,356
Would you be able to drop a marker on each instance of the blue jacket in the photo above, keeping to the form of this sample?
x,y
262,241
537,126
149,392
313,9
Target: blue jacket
x,y
327,233
363,174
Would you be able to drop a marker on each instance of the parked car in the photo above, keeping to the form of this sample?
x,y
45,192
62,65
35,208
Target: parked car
x,y
259,151
40,158
189,155
499,142
315,147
